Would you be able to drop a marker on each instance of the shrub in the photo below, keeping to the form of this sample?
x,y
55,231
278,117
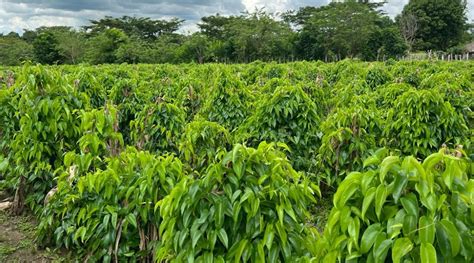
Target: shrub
x,y
48,127
130,101
404,210
421,121
228,101
287,116
377,76
157,127
457,90
348,136
201,142
111,212
388,94
249,207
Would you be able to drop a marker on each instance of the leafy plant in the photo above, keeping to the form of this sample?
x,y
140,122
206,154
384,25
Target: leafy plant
x,y
201,143
85,81
421,121
130,101
457,90
287,116
110,213
402,209
343,93
349,135
387,95
249,207
8,129
157,126
228,101
377,76
101,136
48,128
190,96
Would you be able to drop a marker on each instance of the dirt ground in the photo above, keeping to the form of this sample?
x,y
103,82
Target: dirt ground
x,y
17,241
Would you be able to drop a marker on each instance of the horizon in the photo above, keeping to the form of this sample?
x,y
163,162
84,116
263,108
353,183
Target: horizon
x,y
16,16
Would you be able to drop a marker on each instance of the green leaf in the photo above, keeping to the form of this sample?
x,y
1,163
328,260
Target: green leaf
x,y
387,165
354,228
3,164
280,213
237,164
429,201
208,257
132,219
432,160
366,181
114,219
223,237
427,253
443,241
273,256
427,230
453,235
269,235
380,197
369,197
409,225
329,258
282,233
260,253
240,250
371,160
410,205
220,214
196,234
369,236
401,181
346,189
381,250
81,232
401,247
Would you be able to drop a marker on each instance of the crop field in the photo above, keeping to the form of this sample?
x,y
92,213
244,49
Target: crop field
x,y
261,162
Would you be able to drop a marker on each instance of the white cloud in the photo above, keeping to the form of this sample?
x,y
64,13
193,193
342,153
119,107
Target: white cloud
x,y
394,7
470,10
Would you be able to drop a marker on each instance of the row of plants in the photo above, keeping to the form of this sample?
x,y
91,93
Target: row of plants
x,y
226,162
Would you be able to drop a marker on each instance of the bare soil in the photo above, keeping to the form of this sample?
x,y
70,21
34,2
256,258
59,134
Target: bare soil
x,y
17,241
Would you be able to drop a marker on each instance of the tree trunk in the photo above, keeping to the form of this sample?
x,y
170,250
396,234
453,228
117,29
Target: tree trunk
x,y
19,201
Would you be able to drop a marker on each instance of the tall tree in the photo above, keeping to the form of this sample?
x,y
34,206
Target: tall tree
x,y
196,48
383,44
72,46
29,35
14,50
336,30
103,47
408,24
441,23
214,26
143,27
248,37
46,48
133,51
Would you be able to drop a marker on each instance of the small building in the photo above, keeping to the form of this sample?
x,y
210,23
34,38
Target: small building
x,y
470,50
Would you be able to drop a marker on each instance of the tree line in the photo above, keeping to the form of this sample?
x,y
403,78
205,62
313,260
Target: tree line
x,y
348,29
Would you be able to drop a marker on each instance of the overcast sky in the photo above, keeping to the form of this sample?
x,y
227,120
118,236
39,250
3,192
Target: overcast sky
x,y
16,15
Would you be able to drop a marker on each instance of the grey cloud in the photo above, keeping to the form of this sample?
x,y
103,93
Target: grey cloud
x,y
120,5
18,14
